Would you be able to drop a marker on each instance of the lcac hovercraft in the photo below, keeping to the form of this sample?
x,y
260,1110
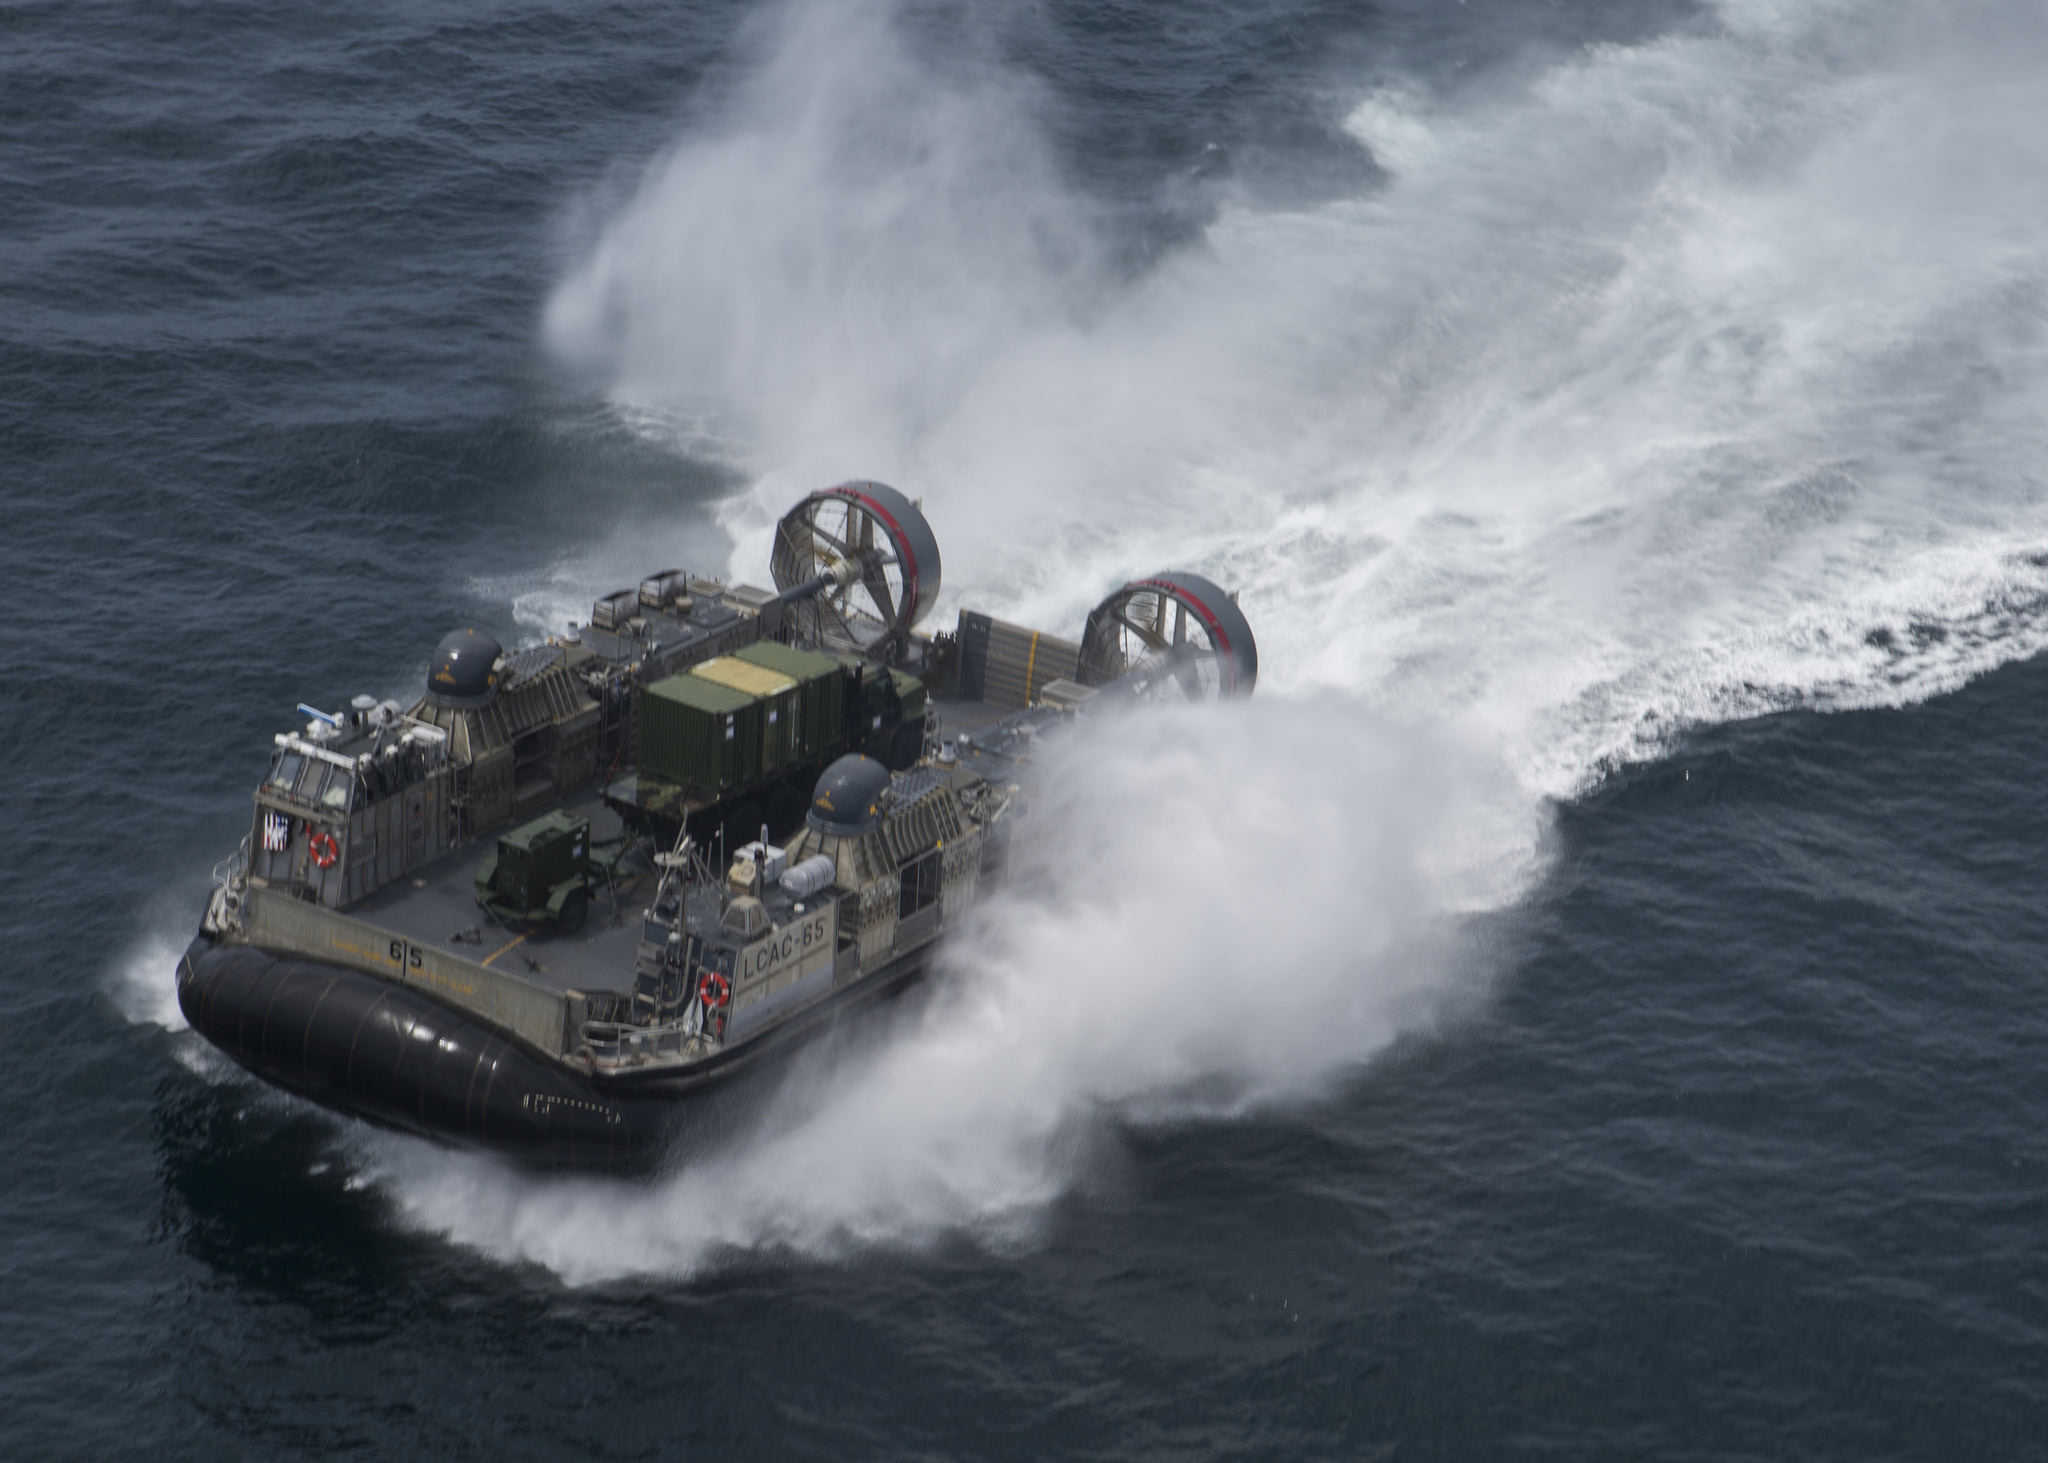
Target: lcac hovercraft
x,y
574,893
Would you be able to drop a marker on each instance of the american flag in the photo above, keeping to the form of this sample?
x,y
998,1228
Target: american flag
x,y
277,832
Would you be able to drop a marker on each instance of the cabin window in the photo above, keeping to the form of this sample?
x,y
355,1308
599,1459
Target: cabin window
x,y
335,794
286,772
920,884
310,777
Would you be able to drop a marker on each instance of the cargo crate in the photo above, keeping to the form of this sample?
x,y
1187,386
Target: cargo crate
x,y
699,733
775,697
820,715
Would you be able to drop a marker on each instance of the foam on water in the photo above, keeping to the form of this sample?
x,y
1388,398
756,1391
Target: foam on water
x,y
144,983
1172,951
1672,384
1687,380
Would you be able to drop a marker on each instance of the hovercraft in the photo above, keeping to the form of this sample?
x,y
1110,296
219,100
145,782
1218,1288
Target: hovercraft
x,y
578,896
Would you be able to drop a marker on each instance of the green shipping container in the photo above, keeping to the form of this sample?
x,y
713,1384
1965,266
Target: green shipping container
x,y
779,716
773,694
815,719
698,733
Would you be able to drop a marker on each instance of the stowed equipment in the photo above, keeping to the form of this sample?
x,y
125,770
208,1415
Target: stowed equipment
x,y
543,873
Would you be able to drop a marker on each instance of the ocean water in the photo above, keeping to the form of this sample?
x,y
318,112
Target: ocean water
x,y
1589,1004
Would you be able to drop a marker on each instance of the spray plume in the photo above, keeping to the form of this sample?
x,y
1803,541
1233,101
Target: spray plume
x,y
1171,948
1689,379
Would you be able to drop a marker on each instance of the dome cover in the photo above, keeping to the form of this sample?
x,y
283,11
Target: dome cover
x,y
462,671
848,799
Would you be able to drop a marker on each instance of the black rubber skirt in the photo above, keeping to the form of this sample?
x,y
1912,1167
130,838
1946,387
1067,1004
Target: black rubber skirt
x,y
400,1059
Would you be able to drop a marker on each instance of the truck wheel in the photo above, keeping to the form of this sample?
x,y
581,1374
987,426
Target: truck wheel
x,y
574,909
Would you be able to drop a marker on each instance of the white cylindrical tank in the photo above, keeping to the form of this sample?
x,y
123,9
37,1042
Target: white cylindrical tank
x,y
813,874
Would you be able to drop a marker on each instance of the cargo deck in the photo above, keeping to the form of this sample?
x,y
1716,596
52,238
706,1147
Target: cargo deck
x,y
437,905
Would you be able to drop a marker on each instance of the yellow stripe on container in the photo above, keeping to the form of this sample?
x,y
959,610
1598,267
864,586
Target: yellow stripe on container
x,y
744,676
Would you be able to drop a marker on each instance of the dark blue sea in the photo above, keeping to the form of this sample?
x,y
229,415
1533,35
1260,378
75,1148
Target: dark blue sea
x,y
1591,1004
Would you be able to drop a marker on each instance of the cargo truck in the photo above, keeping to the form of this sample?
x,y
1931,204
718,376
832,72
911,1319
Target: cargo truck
x,y
737,742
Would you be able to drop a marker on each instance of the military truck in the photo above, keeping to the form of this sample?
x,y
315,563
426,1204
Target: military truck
x,y
734,744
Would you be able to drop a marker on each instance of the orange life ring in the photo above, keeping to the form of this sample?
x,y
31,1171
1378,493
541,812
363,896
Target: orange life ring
x,y
326,852
714,990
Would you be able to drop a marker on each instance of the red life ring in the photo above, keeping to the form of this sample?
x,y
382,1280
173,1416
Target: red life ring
x,y
714,990
326,852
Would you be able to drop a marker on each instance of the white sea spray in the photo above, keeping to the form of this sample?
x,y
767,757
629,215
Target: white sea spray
x,y
1689,379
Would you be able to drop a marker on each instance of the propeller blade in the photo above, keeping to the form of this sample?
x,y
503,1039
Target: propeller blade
x,y
1151,637
877,585
839,545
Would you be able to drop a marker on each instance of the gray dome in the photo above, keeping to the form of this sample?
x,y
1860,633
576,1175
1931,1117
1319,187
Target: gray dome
x,y
848,798
461,673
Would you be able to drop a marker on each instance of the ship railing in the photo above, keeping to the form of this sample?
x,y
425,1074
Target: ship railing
x,y
230,885
614,1042
231,870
